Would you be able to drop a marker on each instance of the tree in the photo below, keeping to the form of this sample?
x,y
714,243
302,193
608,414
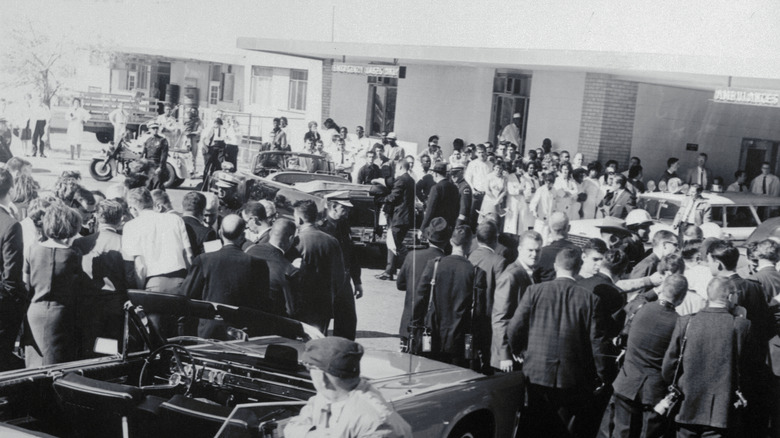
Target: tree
x,y
37,60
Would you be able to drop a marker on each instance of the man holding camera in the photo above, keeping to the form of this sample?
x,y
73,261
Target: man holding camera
x,y
711,344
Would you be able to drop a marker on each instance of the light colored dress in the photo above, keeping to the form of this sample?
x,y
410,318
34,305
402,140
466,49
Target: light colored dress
x,y
592,190
494,197
517,211
77,117
567,201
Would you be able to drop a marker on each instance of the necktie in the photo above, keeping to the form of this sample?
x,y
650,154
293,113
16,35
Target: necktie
x,y
325,417
219,133
342,158
763,185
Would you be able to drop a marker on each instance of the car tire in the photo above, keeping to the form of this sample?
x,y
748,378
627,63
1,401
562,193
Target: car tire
x,y
104,137
173,181
469,429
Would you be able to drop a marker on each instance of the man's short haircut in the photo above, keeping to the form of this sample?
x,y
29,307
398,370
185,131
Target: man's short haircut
x,y
569,259
703,155
6,182
487,233
725,253
255,209
675,287
698,188
595,165
529,235
595,244
691,248
638,160
693,232
615,261
612,163
140,197
405,165
81,197
458,144
481,147
558,222
160,197
719,289
549,177
634,171
232,227
672,263
765,163
671,161
282,229
767,249
110,212
620,180
739,173
461,236
307,209
61,222
663,236
194,203
432,138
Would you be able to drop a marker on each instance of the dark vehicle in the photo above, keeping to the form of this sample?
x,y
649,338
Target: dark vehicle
x,y
193,387
312,166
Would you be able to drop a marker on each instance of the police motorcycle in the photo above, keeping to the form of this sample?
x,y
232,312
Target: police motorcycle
x,y
116,159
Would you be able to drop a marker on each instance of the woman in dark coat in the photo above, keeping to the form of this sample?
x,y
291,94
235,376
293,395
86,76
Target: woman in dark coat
x,y
54,275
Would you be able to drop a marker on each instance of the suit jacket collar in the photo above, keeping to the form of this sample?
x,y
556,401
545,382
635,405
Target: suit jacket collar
x,y
605,276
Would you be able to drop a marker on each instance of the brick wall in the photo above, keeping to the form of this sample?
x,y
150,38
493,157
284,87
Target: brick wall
x,y
607,124
327,86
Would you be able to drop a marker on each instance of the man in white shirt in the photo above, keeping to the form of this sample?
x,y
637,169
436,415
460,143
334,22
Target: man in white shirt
x,y
476,176
766,184
118,118
740,185
700,174
342,158
156,250
511,132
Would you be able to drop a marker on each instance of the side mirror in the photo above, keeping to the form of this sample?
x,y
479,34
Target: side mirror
x,y
106,346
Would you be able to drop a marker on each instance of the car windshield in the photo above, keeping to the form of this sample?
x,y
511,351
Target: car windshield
x,y
268,162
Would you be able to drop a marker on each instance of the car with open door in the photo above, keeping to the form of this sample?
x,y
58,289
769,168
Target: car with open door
x,y
149,386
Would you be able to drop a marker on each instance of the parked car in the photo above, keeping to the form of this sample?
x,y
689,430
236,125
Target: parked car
x,y
249,387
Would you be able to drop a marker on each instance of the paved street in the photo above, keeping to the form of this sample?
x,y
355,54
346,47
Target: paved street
x,y
378,311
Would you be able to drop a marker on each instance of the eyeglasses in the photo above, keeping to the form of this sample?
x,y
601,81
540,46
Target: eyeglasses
x,y
674,244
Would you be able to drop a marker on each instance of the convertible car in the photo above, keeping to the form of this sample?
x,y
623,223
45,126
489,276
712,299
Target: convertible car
x,y
148,386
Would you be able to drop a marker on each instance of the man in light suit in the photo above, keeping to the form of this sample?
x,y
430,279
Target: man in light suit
x,y
700,174
558,329
694,210
228,276
510,288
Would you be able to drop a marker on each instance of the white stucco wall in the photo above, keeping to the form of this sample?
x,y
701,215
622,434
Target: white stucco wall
x,y
555,109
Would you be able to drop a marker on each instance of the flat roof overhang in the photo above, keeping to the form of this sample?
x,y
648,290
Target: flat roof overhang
x,y
691,71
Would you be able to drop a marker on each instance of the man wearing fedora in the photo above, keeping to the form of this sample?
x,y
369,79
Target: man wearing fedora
x,y
345,404
443,199
438,233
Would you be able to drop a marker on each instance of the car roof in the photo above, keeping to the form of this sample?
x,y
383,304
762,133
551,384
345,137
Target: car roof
x,y
770,228
717,199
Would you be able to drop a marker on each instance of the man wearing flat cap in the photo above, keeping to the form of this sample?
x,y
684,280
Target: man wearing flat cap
x,y
345,404
443,199
156,150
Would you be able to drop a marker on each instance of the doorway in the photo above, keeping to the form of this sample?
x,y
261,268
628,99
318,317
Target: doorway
x,y
754,152
510,96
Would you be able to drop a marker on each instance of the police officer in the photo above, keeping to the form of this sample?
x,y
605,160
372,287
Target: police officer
x,y
464,189
156,150
443,198
345,404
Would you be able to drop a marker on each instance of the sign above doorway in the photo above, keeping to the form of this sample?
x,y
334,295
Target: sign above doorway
x,y
747,97
388,71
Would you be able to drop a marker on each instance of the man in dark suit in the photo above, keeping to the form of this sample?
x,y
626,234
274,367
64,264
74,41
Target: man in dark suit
x,y
193,205
450,315
100,309
767,252
611,297
620,201
639,385
558,329
484,257
510,288
401,198
321,268
559,231
336,224
370,171
664,243
12,302
722,258
284,279
715,348
443,199
700,174
438,233
227,276
259,217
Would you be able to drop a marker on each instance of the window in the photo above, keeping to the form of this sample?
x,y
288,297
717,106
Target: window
x,y
227,85
215,77
297,94
132,79
261,86
214,93
383,93
137,75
